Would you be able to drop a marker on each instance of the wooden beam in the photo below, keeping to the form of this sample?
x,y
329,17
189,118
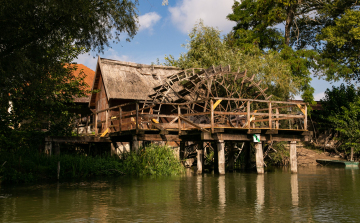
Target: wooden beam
x,y
193,124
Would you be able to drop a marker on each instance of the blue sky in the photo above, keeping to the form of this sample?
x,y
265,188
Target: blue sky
x,y
163,29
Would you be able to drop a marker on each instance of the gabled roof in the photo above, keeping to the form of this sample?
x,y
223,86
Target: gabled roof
x,y
127,80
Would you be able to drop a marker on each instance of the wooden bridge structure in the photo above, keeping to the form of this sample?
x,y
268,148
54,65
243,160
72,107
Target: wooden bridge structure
x,y
198,107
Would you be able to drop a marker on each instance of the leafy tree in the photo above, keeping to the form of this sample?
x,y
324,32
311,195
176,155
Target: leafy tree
x,y
321,36
339,117
206,48
38,39
347,123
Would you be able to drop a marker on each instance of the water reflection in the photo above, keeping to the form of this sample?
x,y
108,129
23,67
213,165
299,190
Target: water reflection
x,y
260,192
294,190
313,195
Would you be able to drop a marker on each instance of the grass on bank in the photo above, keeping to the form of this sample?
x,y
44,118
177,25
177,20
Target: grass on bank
x,y
37,167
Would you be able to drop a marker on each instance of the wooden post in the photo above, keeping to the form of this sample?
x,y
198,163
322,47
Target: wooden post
x,y
106,119
113,149
87,124
137,118
135,144
270,114
221,156
179,120
48,148
231,157
200,157
77,126
352,154
248,113
95,124
305,119
294,189
259,156
182,150
212,115
293,158
120,117
277,116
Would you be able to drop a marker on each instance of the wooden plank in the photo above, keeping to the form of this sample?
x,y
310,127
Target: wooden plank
x,y
305,120
179,122
106,119
256,100
193,124
120,118
272,131
270,111
137,118
157,137
248,137
254,131
248,114
277,116
212,115
276,119
75,139
96,124
197,114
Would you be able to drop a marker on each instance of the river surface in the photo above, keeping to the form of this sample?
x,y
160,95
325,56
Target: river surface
x,y
318,194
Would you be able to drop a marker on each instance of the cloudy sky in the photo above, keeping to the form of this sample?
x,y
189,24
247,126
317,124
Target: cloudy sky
x,y
164,28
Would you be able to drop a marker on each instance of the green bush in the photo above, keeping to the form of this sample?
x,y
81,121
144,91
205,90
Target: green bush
x,y
36,167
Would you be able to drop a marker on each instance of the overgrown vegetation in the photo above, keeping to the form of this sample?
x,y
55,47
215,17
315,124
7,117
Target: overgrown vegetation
x,y
24,167
339,117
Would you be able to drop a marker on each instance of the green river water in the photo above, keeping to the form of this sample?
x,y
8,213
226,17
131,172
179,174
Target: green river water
x,y
317,194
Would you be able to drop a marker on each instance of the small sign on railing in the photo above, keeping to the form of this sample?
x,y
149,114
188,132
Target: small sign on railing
x,y
256,137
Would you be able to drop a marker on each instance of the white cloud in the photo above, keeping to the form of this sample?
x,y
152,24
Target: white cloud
x,y
213,12
319,96
148,20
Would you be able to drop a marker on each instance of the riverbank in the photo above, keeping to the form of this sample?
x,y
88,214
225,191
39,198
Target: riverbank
x,y
308,157
37,167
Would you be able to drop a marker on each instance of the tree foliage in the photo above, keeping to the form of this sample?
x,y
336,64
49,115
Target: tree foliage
x,y
339,115
206,47
324,31
38,40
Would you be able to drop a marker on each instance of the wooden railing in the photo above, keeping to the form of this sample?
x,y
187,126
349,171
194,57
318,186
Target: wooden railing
x,y
202,115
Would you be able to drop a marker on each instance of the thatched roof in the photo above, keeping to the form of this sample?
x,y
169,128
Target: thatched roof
x,y
126,80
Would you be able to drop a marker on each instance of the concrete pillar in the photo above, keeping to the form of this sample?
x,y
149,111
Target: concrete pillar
x,y
135,145
231,157
259,156
221,156
48,148
293,158
200,157
57,149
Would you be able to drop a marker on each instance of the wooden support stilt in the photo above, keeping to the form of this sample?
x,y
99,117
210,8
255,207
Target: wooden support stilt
x,y
48,148
113,150
259,156
135,144
231,157
221,156
200,157
293,158
352,154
